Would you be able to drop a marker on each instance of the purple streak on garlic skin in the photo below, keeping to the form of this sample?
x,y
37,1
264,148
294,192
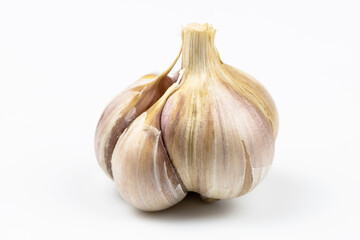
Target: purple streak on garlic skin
x,y
122,110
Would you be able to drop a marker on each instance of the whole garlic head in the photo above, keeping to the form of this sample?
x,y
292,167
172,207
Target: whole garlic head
x,y
211,131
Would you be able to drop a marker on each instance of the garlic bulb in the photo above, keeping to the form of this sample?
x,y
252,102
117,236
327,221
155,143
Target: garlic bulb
x,y
210,130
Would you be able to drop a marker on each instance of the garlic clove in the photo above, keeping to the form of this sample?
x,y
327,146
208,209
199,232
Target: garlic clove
x,y
142,170
121,111
217,136
126,107
214,141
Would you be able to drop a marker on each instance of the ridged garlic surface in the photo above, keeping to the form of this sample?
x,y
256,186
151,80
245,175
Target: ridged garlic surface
x,y
211,130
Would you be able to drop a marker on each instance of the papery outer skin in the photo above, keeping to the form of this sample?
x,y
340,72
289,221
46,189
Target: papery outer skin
x,y
220,126
122,110
218,141
259,95
142,170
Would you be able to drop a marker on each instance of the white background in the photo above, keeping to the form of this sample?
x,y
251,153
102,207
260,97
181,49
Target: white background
x,y
62,61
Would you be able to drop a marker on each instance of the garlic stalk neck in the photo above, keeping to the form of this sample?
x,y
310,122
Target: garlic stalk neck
x,y
199,52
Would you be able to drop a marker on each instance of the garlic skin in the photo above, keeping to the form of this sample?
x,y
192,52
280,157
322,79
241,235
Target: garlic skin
x,y
220,126
143,172
124,109
209,130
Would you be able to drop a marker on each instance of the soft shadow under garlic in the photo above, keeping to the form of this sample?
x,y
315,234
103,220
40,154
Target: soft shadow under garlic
x,y
192,207
284,198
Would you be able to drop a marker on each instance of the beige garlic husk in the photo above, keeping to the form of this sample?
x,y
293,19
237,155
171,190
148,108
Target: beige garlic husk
x,y
211,130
